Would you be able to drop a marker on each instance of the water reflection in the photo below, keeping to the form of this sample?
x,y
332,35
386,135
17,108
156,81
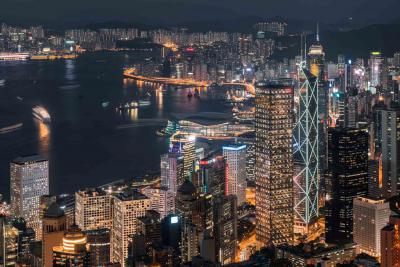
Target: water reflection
x,y
44,137
70,73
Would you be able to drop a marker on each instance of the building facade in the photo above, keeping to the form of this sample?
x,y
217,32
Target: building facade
x,y
29,180
92,209
274,164
127,207
235,156
369,217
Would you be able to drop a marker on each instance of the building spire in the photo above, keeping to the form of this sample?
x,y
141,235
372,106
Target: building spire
x,y
317,36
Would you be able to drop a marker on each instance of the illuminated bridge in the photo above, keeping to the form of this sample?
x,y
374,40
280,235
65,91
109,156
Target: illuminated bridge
x,y
130,73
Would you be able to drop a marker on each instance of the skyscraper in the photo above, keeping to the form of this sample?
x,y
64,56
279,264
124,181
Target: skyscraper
x,y
274,164
390,119
369,217
225,228
390,243
186,208
73,250
127,207
92,209
214,176
54,225
316,57
306,176
162,200
346,179
375,64
235,156
98,245
171,166
8,243
29,180
184,145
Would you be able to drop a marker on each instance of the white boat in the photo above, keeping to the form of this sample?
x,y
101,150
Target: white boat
x,y
2,82
144,103
41,114
11,128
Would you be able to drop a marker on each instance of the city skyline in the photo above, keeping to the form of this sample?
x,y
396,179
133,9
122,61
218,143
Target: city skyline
x,y
266,142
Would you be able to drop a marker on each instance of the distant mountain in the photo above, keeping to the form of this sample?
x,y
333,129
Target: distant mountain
x,y
354,43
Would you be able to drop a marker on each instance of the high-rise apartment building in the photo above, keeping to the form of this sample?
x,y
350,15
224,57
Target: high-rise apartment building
x,y
369,217
92,209
346,179
274,164
127,207
29,180
235,156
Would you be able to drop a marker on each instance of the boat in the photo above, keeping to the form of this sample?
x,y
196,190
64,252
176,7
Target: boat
x,y
129,105
2,82
14,56
20,98
144,103
41,114
163,133
105,104
10,128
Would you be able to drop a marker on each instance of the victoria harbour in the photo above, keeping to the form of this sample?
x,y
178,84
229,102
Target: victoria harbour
x,y
88,143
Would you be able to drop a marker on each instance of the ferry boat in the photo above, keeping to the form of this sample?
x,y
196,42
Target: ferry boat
x,y
14,56
41,114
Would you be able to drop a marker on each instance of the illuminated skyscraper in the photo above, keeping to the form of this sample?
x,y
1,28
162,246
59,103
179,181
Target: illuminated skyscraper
x,y
54,225
316,57
375,64
162,200
390,134
236,171
8,243
347,178
213,176
306,176
274,164
29,180
73,251
127,207
92,209
390,243
184,145
369,217
171,166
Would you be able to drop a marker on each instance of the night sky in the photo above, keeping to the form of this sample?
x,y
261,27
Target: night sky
x,y
179,11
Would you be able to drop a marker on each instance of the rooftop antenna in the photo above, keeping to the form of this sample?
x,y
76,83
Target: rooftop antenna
x,y
305,47
317,37
301,46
